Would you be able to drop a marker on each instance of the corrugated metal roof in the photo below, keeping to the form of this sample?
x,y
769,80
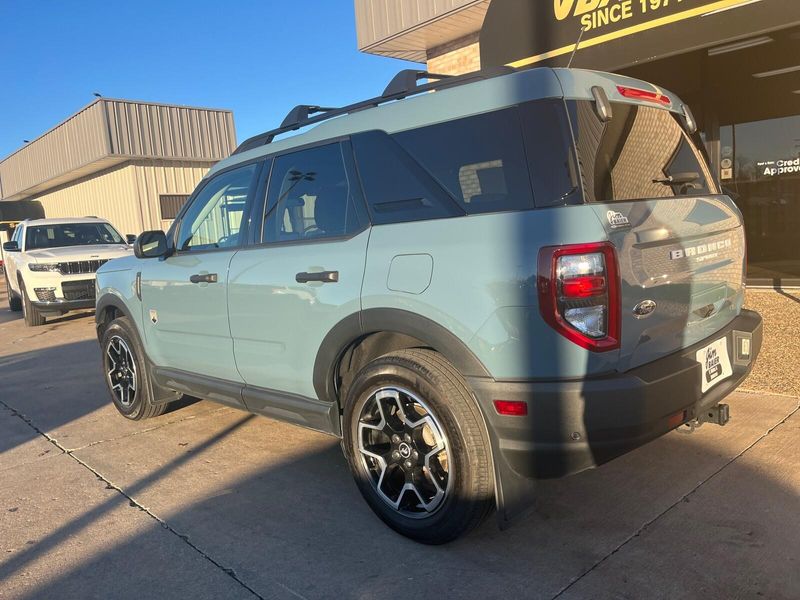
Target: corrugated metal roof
x,y
110,131
407,29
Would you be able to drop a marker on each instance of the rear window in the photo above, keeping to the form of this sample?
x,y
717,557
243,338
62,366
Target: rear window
x,y
642,152
479,160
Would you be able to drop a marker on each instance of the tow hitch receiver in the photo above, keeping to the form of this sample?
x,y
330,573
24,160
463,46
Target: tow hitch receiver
x,y
716,415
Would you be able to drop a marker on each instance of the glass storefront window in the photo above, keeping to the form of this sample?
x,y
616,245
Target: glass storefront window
x,y
760,170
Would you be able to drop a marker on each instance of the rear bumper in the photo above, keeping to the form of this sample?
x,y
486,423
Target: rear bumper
x,y
575,425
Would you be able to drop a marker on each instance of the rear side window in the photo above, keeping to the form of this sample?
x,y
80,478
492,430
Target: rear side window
x,y
551,157
642,152
479,160
397,189
311,196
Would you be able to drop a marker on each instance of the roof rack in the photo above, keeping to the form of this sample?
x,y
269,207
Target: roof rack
x,y
403,84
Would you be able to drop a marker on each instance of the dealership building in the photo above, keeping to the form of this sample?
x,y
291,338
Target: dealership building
x,y
133,163
735,62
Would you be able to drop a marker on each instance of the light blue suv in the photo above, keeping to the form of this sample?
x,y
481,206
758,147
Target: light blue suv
x,y
520,274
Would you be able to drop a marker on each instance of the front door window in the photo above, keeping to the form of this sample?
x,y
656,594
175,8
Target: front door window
x,y
214,219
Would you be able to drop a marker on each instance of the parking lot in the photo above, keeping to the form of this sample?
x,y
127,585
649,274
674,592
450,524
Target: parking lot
x,y
208,502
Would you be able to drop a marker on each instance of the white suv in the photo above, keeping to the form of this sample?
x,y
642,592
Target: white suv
x,y
50,264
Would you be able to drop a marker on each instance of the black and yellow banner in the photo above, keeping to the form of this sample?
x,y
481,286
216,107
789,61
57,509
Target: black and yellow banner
x,y
526,32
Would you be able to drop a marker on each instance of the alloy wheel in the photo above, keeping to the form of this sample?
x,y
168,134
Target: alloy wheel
x,y
121,370
405,450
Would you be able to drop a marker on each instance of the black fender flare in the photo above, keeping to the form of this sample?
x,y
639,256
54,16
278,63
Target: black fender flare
x,y
110,301
373,320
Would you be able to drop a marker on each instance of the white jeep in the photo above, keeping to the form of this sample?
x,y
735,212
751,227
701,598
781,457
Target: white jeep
x,y
50,264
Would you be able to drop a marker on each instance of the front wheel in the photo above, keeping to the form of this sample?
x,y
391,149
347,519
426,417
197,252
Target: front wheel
x,y
417,448
126,372
14,301
31,314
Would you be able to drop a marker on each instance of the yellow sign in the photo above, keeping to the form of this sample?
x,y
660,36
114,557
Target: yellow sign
x,y
614,19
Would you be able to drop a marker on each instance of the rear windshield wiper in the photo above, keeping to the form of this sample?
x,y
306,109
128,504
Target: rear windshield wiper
x,y
678,178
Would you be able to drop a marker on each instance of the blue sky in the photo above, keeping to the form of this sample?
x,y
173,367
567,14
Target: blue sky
x,y
257,58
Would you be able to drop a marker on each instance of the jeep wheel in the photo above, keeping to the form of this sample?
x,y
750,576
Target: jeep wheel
x,y
33,318
126,373
416,445
14,302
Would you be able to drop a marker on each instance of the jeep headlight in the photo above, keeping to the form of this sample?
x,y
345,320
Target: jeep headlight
x,y
40,267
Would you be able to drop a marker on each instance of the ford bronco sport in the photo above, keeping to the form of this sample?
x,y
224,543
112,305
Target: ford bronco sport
x,y
521,274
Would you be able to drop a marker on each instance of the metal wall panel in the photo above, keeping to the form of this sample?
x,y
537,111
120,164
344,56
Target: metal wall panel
x,y
79,140
117,128
402,28
126,195
160,131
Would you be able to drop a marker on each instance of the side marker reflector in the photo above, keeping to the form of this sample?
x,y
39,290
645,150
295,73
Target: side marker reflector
x,y
511,408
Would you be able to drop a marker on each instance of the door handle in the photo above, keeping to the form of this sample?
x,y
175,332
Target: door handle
x,y
204,278
323,276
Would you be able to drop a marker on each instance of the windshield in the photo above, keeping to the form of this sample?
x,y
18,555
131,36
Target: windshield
x,y
71,234
642,152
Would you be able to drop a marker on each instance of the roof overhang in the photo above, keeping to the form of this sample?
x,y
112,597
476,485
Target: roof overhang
x,y
108,132
408,29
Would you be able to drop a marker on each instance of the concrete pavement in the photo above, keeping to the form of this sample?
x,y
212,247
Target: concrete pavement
x,y
209,502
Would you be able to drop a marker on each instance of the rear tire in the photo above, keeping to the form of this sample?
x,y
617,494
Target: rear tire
x,y
33,318
14,302
125,372
416,444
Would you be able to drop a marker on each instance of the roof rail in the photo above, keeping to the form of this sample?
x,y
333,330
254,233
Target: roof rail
x,y
301,113
406,82
403,84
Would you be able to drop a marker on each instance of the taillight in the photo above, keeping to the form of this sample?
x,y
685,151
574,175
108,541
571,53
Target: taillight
x,y
579,293
646,95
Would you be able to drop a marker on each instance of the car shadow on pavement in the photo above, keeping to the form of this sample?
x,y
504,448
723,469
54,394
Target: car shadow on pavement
x,y
299,528
37,383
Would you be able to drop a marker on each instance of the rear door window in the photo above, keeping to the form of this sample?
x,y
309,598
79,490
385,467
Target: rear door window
x,y
479,160
311,196
642,152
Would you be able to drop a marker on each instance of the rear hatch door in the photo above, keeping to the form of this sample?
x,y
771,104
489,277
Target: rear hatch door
x,y
680,243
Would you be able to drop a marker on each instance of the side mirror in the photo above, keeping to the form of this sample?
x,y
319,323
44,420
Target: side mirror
x,y
130,238
150,244
10,247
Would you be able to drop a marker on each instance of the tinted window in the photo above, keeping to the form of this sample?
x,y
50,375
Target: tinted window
x,y
310,196
214,219
480,160
396,187
634,155
551,158
71,234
